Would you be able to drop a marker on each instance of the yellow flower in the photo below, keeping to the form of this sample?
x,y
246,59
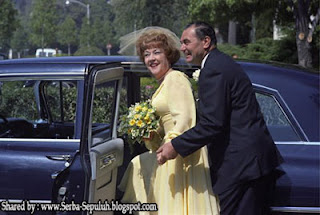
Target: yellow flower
x,y
137,116
137,108
140,119
139,123
148,121
132,122
147,117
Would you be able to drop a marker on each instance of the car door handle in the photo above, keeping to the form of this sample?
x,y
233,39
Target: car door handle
x,y
107,160
59,157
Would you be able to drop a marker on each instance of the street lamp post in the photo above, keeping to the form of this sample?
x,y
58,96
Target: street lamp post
x,y
83,5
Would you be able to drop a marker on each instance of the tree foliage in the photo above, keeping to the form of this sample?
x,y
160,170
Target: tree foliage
x,y
86,34
109,20
259,16
8,23
103,28
302,11
19,41
67,33
138,14
248,14
43,23
88,51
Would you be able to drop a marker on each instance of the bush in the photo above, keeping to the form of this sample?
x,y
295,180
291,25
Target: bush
x,y
148,86
264,49
88,51
232,50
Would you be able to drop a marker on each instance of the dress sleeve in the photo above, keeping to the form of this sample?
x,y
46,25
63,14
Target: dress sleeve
x,y
181,103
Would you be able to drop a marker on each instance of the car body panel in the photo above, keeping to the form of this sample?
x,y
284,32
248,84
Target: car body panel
x,y
33,155
302,91
301,168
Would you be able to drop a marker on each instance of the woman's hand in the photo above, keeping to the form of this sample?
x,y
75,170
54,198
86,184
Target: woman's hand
x,y
151,135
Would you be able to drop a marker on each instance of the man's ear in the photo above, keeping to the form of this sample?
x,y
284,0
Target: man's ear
x,y
206,42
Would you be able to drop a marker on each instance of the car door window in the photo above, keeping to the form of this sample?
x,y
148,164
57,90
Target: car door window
x,y
61,98
18,109
37,109
17,100
278,124
102,111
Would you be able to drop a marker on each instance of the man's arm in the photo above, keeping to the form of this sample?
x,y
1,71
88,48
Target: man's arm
x,y
214,109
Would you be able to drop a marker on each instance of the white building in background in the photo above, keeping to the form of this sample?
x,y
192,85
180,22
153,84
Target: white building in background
x,y
277,33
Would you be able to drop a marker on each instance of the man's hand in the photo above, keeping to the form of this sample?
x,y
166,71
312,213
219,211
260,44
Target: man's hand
x,y
166,152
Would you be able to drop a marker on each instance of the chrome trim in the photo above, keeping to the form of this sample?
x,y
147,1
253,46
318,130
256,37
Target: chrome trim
x,y
40,74
38,140
297,143
59,157
43,77
311,210
287,107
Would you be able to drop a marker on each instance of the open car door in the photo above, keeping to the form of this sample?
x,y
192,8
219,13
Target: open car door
x,y
102,151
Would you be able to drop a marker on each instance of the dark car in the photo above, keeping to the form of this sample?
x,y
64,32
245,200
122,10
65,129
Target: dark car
x,y
59,149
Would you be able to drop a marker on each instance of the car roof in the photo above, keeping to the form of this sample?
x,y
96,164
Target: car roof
x,y
57,65
298,87
72,59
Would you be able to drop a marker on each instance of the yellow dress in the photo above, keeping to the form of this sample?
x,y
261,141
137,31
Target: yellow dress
x,y
181,186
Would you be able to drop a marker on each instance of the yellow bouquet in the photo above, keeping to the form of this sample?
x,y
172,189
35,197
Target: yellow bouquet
x,y
139,122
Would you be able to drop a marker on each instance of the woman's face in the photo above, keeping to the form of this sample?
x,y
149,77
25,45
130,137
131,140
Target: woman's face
x,y
156,62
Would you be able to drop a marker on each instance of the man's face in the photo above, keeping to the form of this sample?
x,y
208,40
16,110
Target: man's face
x,y
192,46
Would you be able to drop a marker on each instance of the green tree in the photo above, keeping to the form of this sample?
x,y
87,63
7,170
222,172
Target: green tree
x,y
87,46
259,17
253,18
88,51
8,23
67,33
43,23
19,42
137,14
102,19
86,34
302,11
102,33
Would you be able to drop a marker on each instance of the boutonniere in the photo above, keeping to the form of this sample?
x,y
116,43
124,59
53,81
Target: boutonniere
x,y
195,75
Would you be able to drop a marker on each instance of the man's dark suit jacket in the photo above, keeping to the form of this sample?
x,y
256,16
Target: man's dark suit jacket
x,y
230,123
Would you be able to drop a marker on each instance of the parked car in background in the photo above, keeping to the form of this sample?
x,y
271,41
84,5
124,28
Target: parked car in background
x,y
59,117
47,52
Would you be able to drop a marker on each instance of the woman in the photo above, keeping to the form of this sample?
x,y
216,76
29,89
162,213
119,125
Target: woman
x,y
180,186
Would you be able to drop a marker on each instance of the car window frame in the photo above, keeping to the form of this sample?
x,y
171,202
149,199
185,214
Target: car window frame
x,y
284,109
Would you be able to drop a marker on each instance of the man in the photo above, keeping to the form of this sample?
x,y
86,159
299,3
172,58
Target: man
x,y
242,154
